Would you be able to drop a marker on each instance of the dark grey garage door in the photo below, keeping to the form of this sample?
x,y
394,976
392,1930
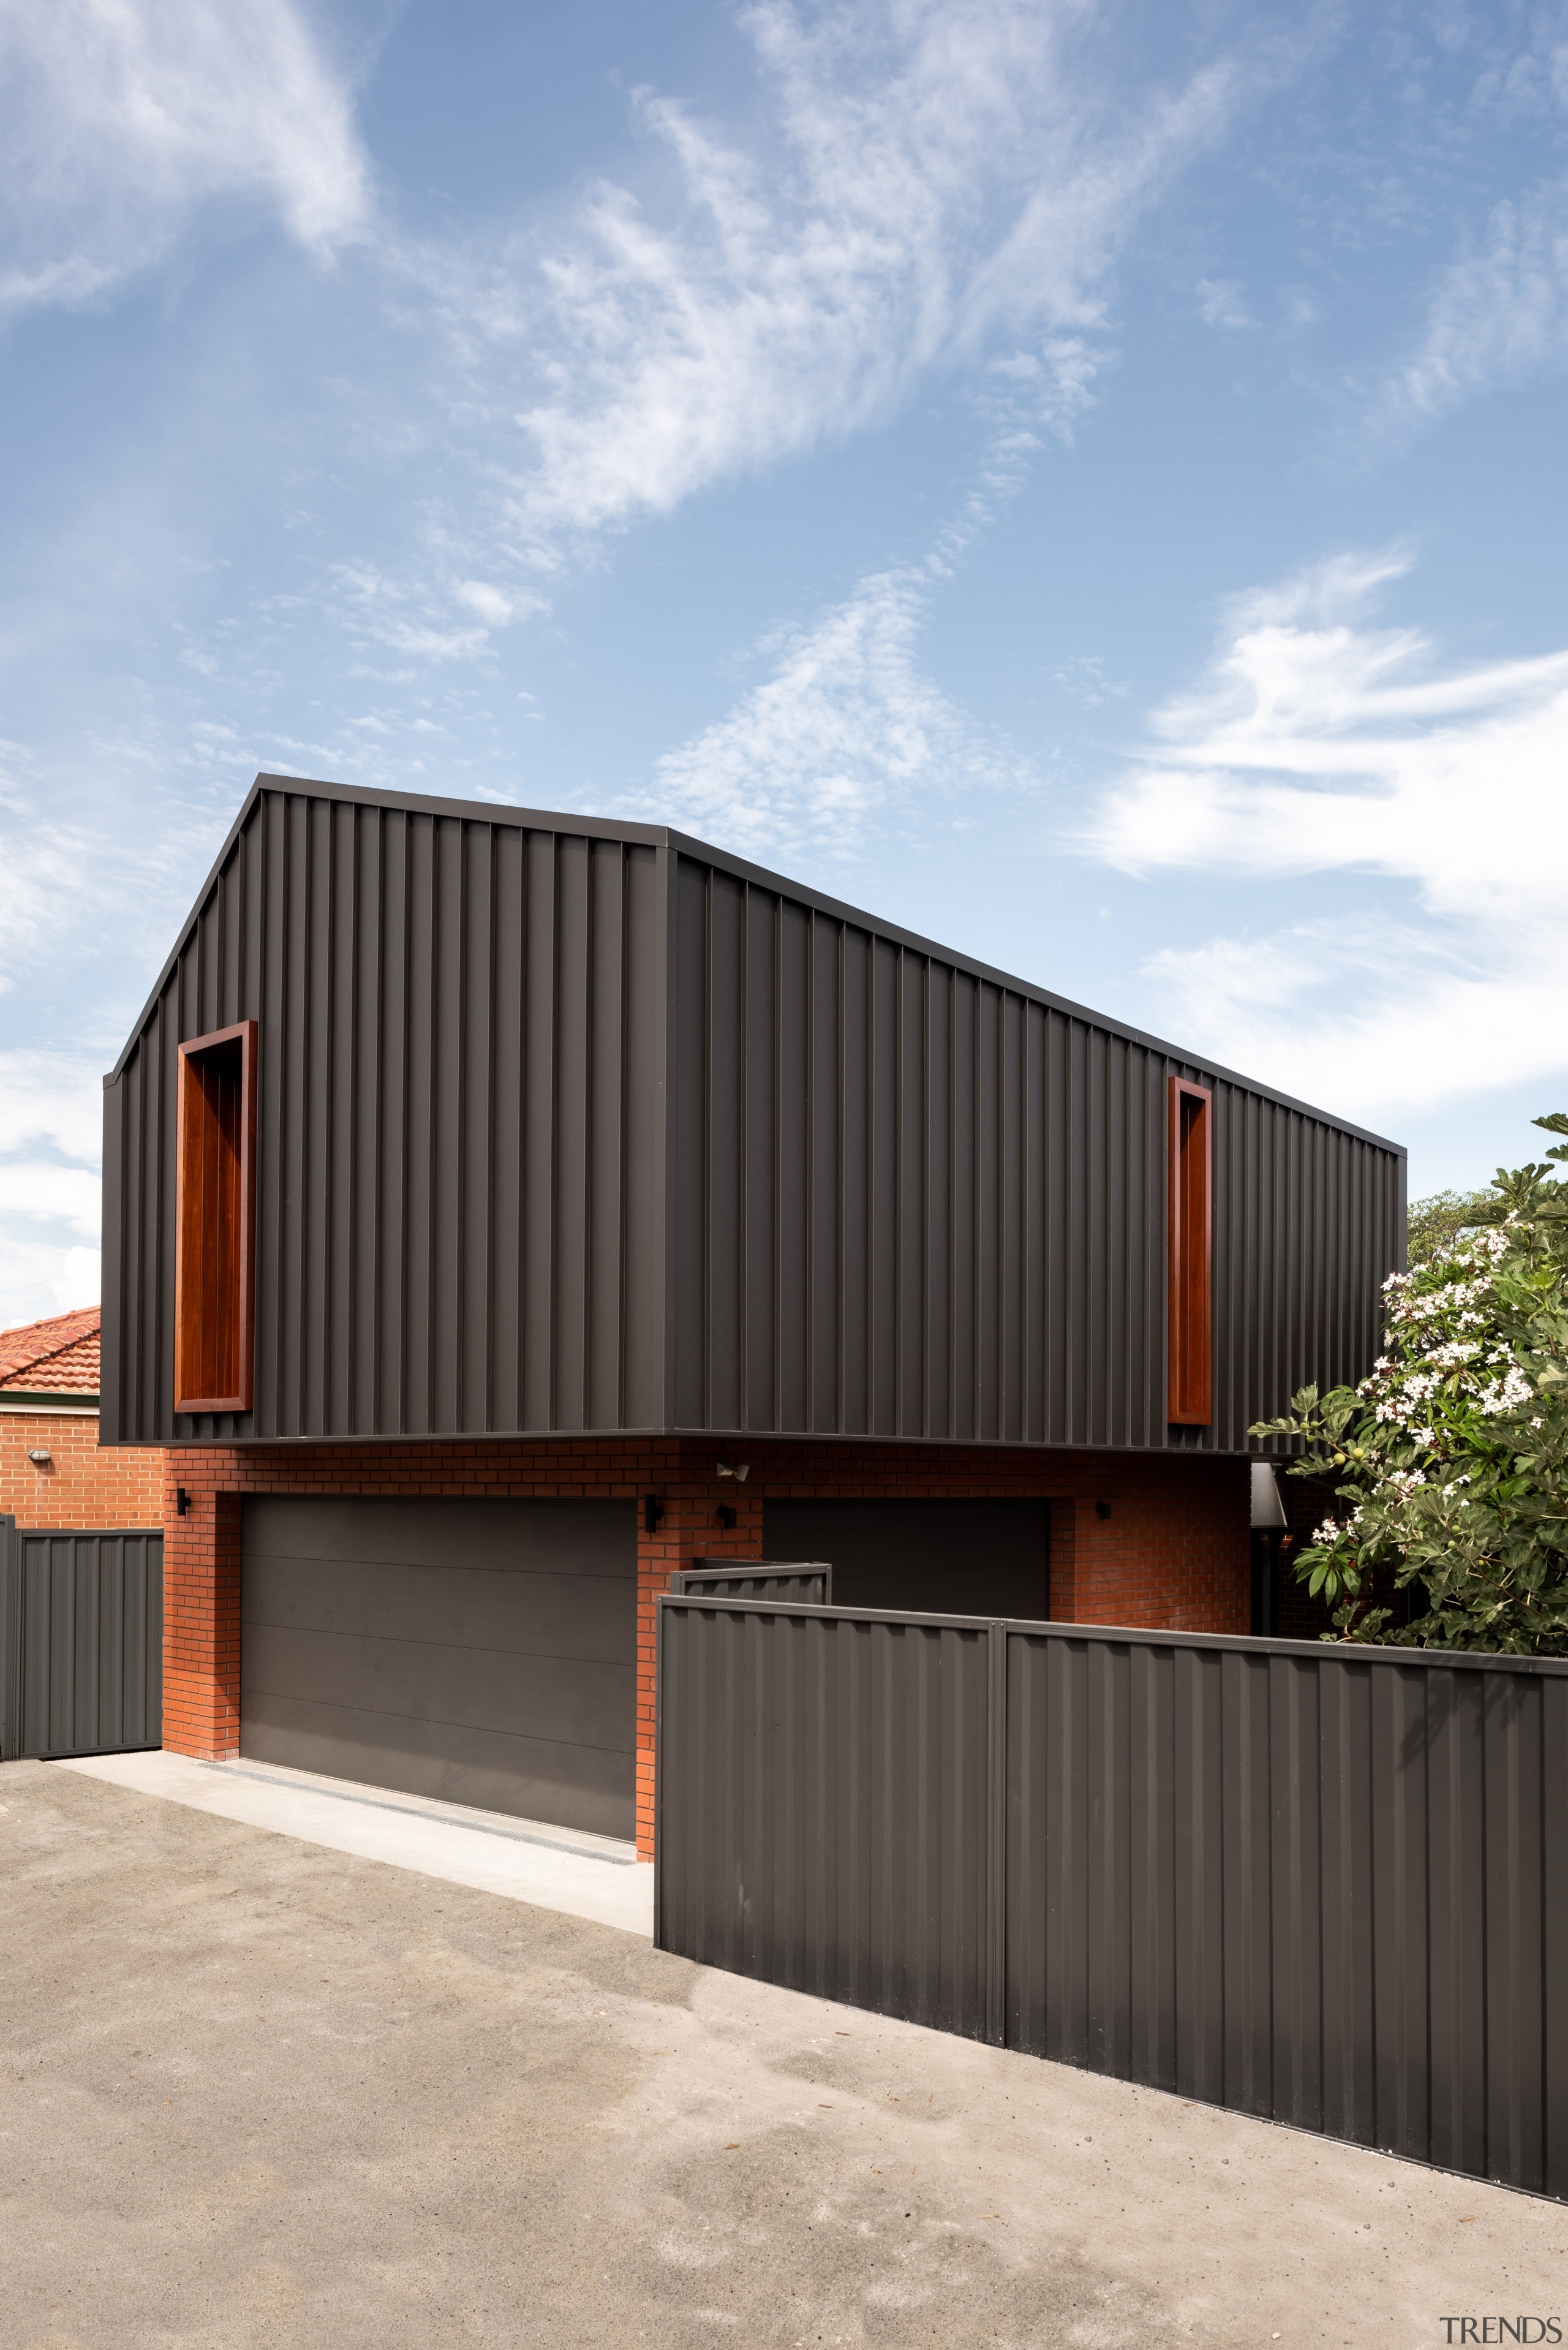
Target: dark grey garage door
x,y
481,1651
962,1558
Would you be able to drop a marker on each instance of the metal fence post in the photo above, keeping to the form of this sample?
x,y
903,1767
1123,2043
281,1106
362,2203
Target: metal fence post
x,y
996,1835
10,1641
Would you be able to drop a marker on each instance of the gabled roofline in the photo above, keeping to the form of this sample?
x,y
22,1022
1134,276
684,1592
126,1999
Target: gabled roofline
x,y
658,836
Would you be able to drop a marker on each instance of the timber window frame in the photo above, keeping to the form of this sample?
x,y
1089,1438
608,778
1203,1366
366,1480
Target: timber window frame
x,y
214,1221
1190,1336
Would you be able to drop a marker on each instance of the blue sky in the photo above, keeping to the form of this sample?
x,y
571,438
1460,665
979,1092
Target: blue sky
x,y
1085,482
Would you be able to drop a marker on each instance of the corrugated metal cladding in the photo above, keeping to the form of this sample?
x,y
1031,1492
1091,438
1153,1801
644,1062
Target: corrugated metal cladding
x,y
459,1131
81,1641
568,1125
912,1199
1321,1888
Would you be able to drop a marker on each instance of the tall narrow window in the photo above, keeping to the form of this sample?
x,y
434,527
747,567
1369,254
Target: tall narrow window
x,y
213,1303
1191,1194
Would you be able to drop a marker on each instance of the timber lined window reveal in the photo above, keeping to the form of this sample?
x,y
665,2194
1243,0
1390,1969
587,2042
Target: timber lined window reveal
x,y
215,1219
1189,1343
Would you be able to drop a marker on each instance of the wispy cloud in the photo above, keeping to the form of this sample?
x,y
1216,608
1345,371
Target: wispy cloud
x,y
1498,314
1318,745
924,195
1222,302
847,738
918,183
119,117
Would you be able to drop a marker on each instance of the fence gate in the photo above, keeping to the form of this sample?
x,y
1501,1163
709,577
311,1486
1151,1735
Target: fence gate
x,y
81,1640
1322,1884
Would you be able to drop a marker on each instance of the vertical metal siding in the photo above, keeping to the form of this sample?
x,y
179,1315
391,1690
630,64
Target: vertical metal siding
x,y
1318,1886
566,1131
81,1626
461,1128
988,1264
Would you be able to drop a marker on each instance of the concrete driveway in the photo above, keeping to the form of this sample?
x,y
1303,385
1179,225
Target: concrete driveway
x,y
260,2093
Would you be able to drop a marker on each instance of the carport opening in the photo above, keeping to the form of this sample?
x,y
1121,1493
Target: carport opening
x,y
957,1557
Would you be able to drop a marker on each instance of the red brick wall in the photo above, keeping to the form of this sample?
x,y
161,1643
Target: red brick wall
x,y
80,1486
1172,1553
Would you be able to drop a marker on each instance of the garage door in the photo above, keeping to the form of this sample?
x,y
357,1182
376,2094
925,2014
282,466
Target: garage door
x,y
483,1652
962,1558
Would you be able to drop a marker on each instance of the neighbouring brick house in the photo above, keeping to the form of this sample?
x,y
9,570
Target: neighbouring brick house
x,y
503,1209
49,1408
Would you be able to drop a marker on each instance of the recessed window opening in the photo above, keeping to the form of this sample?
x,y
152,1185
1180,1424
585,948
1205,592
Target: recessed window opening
x,y
213,1302
1191,1371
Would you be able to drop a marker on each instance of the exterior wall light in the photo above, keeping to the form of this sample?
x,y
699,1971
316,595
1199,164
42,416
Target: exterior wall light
x,y
740,1470
40,1458
1268,1509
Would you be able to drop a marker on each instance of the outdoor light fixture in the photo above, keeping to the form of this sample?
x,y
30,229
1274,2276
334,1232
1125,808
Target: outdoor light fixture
x,y
726,1514
1102,1509
182,1501
1268,1509
653,1511
740,1470
40,1458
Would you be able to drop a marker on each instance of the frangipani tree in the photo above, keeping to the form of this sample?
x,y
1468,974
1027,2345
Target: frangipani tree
x,y
1450,1461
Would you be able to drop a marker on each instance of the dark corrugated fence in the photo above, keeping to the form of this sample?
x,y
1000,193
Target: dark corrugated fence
x,y
807,1582
1322,1886
81,1632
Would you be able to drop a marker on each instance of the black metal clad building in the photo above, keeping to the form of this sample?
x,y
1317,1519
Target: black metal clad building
x,y
572,1126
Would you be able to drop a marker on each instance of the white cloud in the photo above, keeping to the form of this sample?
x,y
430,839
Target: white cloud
x,y
46,1194
51,1114
917,182
51,1098
1498,312
847,736
1320,745
492,604
79,1279
119,116
1221,302
40,1276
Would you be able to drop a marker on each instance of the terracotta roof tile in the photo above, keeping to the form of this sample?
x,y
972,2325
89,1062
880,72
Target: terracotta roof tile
x,y
61,1354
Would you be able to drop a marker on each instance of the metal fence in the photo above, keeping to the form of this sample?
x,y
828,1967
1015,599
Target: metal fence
x,y
1327,1888
81,1641
807,1581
